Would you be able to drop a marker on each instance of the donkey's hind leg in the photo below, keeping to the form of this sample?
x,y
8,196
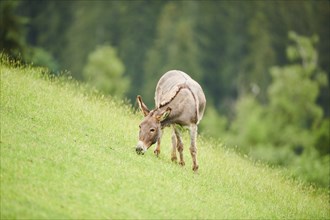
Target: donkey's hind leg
x,y
193,146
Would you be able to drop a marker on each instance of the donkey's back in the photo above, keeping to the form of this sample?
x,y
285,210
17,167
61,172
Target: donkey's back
x,y
170,87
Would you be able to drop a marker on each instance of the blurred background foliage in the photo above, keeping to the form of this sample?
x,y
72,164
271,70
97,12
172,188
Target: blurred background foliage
x,y
264,65
104,70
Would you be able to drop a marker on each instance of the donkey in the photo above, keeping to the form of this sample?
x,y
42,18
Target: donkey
x,y
180,101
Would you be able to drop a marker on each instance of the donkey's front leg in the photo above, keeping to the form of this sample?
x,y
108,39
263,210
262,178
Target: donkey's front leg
x,y
157,148
174,143
179,145
193,146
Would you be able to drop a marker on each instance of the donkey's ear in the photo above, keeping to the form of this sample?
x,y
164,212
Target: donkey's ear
x,y
142,106
161,117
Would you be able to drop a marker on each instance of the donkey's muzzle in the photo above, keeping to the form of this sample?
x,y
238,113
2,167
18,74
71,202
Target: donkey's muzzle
x,y
140,149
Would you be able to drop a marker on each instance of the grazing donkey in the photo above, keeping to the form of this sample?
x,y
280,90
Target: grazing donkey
x,y
179,101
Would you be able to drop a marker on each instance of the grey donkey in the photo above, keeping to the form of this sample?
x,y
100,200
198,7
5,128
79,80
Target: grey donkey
x,y
180,101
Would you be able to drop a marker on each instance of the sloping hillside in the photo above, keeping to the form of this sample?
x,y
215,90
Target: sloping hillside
x,y
66,153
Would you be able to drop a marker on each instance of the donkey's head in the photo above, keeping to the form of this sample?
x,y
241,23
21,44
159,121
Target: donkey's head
x,y
150,127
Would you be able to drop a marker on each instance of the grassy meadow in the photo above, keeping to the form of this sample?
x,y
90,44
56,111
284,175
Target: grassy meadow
x,y
69,153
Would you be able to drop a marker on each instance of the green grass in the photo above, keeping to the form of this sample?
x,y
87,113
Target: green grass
x,y
67,153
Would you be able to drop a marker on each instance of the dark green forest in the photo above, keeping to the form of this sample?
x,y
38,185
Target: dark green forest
x,y
264,65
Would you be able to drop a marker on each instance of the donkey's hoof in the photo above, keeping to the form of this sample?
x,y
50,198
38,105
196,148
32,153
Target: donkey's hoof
x,y
174,159
195,168
182,163
156,152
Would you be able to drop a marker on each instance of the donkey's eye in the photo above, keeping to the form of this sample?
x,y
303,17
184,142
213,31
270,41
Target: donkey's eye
x,y
152,130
